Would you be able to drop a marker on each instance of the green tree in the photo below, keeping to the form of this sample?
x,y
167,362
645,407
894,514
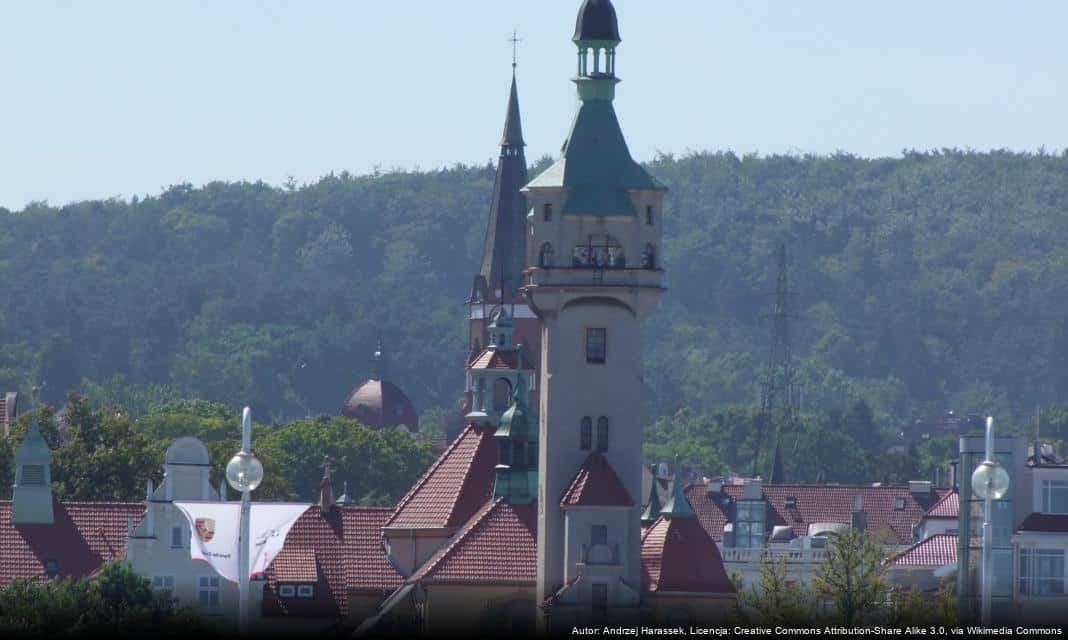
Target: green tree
x,y
853,576
777,601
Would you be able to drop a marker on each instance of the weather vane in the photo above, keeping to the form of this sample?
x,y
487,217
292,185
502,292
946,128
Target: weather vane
x,y
515,40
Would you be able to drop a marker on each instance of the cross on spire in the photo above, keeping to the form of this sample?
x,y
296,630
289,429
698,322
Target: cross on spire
x,y
515,40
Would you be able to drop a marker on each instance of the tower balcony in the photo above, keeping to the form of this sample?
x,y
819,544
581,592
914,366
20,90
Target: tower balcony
x,y
586,277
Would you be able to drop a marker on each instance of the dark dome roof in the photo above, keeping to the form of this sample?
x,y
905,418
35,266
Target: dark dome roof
x,y
597,21
380,404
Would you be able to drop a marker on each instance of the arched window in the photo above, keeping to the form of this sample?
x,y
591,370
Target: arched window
x,y
545,257
502,394
649,214
586,434
602,434
599,252
649,257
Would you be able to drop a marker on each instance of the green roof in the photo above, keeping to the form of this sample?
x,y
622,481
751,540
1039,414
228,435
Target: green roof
x,y
596,167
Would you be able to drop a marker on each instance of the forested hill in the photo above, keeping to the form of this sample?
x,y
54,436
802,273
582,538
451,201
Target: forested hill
x,y
929,282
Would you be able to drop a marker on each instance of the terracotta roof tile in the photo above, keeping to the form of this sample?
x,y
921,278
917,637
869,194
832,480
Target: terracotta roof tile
x,y
596,485
677,554
948,506
83,536
454,487
339,551
497,546
935,551
816,503
1044,523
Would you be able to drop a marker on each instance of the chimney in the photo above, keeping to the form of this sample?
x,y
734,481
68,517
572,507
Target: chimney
x,y
713,486
326,489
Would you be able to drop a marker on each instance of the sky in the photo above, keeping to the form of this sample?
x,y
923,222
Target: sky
x,y
116,99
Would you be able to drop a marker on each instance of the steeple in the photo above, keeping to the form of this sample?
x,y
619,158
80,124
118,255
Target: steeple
x,y
504,251
652,509
517,446
31,500
677,506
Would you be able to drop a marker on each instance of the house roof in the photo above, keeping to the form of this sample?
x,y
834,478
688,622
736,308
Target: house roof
x,y
948,506
1044,523
499,359
818,503
935,551
455,486
83,536
498,546
677,554
338,552
596,485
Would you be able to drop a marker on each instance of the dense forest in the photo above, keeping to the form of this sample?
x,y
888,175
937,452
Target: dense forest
x,y
925,283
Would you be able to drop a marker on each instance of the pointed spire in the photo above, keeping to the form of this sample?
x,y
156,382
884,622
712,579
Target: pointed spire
x,y
677,506
378,363
652,509
326,489
513,126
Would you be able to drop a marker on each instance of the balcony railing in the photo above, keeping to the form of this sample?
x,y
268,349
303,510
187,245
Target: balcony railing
x,y
585,277
792,556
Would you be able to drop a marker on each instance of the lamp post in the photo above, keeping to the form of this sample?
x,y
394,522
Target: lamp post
x,y
244,473
990,482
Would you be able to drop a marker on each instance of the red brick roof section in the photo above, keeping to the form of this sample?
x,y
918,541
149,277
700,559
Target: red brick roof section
x,y
948,506
499,359
818,503
458,483
498,546
83,537
1044,523
679,556
338,552
935,551
596,485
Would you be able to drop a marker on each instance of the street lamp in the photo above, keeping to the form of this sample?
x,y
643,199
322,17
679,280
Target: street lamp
x,y
244,473
990,482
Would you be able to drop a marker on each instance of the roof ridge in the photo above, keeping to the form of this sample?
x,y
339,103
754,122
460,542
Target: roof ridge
x,y
460,535
430,471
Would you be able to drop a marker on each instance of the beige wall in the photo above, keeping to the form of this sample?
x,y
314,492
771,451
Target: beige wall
x,y
475,611
408,549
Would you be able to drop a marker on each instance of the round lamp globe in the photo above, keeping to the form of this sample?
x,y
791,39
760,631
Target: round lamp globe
x,y
244,472
990,480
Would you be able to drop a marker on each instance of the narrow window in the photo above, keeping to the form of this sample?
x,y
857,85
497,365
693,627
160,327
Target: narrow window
x,y
176,538
649,214
649,257
586,434
547,213
602,434
600,598
596,339
545,257
599,534
208,592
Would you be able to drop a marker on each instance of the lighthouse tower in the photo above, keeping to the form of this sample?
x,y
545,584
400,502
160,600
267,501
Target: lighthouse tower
x,y
593,276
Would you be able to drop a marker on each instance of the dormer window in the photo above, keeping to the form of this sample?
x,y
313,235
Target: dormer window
x,y
790,502
899,504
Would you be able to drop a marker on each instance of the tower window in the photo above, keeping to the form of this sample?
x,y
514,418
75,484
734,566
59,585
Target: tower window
x,y
602,434
176,537
649,214
599,252
649,257
599,534
33,474
586,434
600,598
547,213
596,345
545,257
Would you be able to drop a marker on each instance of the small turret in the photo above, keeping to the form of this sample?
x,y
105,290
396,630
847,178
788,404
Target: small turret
x,y
652,509
31,500
677,505
517,444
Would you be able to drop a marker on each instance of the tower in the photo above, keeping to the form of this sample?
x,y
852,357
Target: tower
x,y
593,277
31,498
778,412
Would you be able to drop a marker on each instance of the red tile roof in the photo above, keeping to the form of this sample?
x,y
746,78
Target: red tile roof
x,y
677,554
1044,523
948,506
818,503
497,546
458,483
596,485
339,552
498,359
935,551
83,536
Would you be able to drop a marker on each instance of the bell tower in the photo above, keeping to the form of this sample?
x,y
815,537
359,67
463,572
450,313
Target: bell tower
x,y
593,278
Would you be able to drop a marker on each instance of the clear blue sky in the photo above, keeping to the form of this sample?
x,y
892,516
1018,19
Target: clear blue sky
x,y
104,99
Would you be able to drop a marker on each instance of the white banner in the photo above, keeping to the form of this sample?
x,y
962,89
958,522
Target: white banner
x,y
215,529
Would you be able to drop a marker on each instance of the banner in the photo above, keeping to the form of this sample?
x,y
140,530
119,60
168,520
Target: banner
x,y
215,528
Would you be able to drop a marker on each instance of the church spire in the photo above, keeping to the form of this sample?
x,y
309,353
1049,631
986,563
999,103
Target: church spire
x,y
504,253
